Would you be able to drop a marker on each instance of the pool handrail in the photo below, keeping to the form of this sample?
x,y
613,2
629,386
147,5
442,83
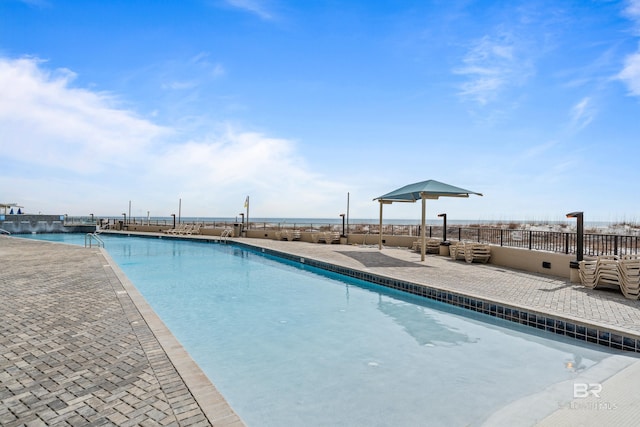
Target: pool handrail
x,y
89,237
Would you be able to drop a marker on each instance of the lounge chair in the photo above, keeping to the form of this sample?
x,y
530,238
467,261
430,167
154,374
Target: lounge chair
x,y
629,266
289,235
608,272
176,230
587,271
604,272
477,252
187,229
327,237
195,229
458,250
432,246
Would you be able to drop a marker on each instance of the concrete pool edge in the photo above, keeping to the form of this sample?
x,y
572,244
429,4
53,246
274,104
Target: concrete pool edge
x,y
211,402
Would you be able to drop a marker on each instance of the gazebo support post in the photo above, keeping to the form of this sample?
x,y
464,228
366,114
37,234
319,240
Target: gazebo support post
x,y
380,228
422,229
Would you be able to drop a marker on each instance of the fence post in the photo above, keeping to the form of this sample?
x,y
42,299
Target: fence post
x,y
615,244
530,238
501,230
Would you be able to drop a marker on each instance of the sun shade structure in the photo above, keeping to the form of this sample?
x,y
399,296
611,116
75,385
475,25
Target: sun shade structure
x,y
424,190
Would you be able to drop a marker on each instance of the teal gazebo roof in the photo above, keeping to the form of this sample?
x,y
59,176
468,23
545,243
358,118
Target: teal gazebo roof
x,y
424,190
430,189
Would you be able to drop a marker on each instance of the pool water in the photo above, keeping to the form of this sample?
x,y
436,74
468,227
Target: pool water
x,y
288,344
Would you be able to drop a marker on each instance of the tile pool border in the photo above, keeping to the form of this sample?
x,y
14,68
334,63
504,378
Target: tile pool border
x,y
564,326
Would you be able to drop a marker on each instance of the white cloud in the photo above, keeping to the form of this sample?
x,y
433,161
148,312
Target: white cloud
x,y
218,70
539,150
582,114
69,150
633,9
37,3
213,69
256,7
190,74
54,123
630,74
179,85
490,66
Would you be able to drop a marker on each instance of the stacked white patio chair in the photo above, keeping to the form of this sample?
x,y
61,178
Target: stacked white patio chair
x,y
458,250
288,235
477,252
327,237
604,272
195,229
177,230
432,246
629,266
587,271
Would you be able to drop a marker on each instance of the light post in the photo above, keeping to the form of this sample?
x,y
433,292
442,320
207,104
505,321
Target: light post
x,y
444,226
579,238
343,235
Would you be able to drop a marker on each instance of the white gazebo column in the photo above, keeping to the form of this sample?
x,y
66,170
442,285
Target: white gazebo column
x,y
422,228
380,228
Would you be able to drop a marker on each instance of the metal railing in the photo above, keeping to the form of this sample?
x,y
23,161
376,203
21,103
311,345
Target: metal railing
x,y
90,237
550,241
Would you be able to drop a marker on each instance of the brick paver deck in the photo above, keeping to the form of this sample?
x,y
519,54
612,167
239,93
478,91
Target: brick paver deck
x,y
79,346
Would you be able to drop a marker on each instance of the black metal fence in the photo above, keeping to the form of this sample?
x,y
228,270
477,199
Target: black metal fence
x,y
551,241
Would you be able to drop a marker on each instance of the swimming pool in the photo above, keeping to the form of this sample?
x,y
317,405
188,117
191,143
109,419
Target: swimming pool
x,y
291,345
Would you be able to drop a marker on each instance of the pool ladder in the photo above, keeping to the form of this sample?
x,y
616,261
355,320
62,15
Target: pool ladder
x,y
226,233
90,237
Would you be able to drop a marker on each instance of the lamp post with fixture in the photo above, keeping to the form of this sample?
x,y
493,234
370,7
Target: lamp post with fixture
x,y
575,265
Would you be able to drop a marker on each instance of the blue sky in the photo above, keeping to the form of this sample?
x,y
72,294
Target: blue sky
x,y
535,104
